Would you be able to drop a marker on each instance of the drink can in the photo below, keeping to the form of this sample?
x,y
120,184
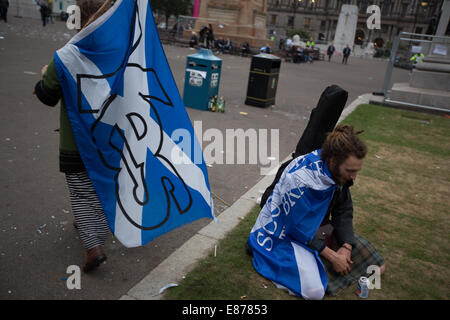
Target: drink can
x,y
362,289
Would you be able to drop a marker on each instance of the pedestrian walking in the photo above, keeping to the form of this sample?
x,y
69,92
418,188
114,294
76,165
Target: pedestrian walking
x,y
44,11
203,36
346,53
88,212
210,37
330,51
50,11
4,4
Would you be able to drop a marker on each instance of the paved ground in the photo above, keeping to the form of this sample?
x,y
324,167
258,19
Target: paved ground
x,y
37,241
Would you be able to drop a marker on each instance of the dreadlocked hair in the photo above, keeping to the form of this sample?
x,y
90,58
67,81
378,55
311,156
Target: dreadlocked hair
x,y
341,143
92,9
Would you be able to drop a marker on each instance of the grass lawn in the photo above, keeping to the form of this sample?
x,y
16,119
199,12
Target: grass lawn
x,y
401,205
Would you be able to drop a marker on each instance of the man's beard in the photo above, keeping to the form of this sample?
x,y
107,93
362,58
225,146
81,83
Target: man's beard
x,y
337,177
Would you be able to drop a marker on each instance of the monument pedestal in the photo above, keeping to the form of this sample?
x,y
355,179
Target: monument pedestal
x,y
239,20
431,75
429,83
424,97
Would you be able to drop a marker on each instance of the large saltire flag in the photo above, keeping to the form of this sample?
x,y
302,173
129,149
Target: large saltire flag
x,y
288,222
131,127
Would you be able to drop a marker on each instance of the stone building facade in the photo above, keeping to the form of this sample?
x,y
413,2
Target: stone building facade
x,y
319,18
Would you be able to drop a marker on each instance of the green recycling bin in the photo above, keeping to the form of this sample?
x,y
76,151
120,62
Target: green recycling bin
x,y
202,79
263,80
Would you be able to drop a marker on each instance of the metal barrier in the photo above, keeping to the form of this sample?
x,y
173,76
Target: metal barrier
x,y
416,43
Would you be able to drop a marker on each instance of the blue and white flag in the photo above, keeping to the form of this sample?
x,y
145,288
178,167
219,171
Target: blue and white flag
x,y
125,111
288,222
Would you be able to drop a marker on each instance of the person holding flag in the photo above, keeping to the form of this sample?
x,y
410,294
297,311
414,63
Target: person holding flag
x,y
120,112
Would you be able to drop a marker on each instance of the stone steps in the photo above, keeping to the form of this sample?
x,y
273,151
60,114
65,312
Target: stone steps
x,y
404,92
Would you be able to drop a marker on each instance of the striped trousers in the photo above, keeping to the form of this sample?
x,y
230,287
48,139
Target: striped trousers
x,y
87,210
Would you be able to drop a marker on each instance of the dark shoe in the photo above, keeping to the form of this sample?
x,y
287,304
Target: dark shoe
x,y
94,258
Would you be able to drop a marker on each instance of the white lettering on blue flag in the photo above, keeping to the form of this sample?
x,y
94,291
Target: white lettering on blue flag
x,y
287,223
123,106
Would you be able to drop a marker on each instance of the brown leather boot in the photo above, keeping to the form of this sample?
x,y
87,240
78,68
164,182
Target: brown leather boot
x,y
94,258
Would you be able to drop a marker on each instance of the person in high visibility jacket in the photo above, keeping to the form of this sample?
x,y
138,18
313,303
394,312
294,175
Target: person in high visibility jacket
x,y
417,57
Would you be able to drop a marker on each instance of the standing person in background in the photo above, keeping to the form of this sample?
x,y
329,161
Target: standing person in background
x,y
210,37
193,42
203,36
330,51
50,11
346,53
417,57
4,4
44,11
308,54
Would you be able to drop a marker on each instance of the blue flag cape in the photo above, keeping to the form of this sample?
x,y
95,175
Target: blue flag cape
x,y
128,120
288,222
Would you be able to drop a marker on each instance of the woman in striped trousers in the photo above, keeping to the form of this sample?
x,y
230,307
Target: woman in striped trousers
x,y
89,216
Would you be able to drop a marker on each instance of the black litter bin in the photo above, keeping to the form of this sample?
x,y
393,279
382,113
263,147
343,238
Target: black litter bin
x,y
263,80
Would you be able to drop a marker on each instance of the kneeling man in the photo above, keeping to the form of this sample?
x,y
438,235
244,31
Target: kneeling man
x,y
306,226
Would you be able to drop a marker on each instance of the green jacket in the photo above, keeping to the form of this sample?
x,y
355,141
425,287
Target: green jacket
x,y
49,92
417,57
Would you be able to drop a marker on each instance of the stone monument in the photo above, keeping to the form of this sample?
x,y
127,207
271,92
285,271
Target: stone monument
x,y
240,20
346,27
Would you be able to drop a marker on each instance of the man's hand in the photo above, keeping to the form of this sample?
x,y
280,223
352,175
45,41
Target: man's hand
x,y
346,251
340,260
44,69
341,264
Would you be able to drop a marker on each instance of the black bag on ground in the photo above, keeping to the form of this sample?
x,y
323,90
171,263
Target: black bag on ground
x,y
323,119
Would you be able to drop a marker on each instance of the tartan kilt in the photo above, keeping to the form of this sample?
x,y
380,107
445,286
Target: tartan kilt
x,y
364,254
